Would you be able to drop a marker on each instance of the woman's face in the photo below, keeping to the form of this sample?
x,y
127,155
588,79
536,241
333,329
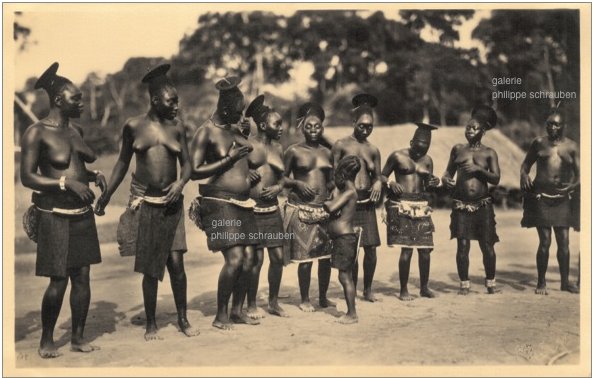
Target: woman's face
x,y
312,129
166,103
274,126
363,127
474,131
70,101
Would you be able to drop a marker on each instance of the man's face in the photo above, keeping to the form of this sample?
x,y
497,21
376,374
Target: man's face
x,y
363,127
312,129
70,101
166,103
474,130
555,126
274,126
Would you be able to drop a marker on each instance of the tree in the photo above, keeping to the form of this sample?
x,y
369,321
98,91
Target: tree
x,y
540,47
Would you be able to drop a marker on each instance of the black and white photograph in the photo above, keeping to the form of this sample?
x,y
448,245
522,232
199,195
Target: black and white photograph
x,y
297,189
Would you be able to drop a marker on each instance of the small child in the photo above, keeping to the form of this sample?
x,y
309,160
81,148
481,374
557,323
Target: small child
x,y
342,207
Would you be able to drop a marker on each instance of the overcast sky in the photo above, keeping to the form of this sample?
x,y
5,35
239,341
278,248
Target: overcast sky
x,y
103,40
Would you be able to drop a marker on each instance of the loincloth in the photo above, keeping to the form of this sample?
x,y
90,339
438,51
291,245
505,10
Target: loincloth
x,y
409,223
310,241
129,222
66,235
366,218
474,220
541,209
269,222
217,205
344,250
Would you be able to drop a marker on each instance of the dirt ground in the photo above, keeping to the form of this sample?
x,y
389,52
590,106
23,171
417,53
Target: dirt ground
x,y
516,327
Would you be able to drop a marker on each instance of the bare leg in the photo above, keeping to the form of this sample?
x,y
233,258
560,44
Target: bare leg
x,y
424,268
304,284
324,271
489,260
241,288
369,264
80,299
274,279
50,310
345,277
405,258
563,256
149,290
252,310
355,274
229,274
178,280
542,257
463,263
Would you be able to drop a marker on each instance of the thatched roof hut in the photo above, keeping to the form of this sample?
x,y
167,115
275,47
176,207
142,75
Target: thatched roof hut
x,y
390,138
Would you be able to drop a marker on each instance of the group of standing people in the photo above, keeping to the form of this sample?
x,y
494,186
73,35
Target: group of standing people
x,y
333,192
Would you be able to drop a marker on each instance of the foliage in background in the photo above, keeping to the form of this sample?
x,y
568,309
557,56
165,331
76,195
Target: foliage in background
x,y
349,52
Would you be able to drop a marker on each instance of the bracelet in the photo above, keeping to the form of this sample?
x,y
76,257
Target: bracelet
x,y
63,183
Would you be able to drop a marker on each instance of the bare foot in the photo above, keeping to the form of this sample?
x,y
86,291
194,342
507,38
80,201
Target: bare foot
x,y
254,313
224,325
426,293
48,351
369,297
570,288
463,291
541,290
187,329
347,319
404,295
242,318
83,347
324,303
152,335
307,307
493,290
277,310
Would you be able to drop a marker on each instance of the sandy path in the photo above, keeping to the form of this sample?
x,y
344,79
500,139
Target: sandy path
x,y
515,327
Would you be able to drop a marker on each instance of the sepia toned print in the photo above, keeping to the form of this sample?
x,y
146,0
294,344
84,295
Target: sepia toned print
x,y
330,136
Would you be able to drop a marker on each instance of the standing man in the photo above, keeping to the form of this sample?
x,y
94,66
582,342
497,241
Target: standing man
x,y
368,183
472,217
54,158
409,223
547,200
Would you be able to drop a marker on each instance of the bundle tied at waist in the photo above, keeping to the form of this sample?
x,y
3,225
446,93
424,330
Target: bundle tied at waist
x,y
47,204
210,192
310,214
471,206
408,208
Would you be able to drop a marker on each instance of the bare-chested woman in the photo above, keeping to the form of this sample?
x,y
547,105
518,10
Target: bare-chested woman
x,y
547,202
225,211
54,158
267,157
409,221
369,182
152,228
472,217
311,167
